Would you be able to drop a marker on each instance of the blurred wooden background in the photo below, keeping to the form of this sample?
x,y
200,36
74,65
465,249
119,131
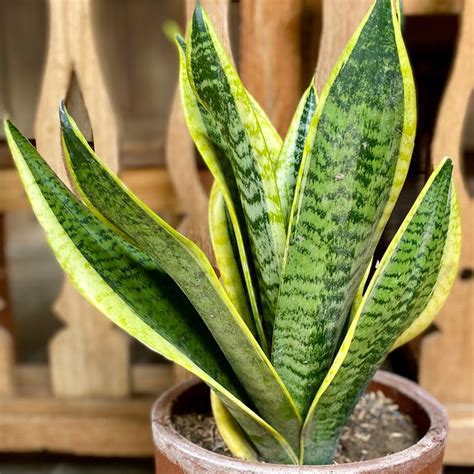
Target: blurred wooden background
x,y
89,391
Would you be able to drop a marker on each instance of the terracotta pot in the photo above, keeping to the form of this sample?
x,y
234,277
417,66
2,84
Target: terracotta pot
x,y
175,454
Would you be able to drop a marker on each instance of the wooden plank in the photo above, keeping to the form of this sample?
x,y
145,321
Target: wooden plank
x,y
432,7
7,381
152,185
270,56
147,379
447,357
34,420
340,20
460,445
7,384
81,427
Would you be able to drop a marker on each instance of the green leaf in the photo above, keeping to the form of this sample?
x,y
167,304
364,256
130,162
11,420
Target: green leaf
x,y
231,432
187,265
360,292
226,255
404,286
202,129
131,290
218,87
289,159
269,132
356,158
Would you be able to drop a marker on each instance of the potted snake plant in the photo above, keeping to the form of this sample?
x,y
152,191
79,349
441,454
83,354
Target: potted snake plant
x,y
292,328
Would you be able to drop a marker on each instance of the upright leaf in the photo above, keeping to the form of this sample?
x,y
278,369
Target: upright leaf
x,y
403,288
187,265
355,162
218,87
230,431
291,154
202,129
224,245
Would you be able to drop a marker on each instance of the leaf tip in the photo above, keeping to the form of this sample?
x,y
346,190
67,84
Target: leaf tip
x,y
63,113
198,16
180,41
171,30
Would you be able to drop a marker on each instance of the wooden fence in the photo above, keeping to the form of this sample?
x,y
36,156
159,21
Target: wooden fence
x,y
90,399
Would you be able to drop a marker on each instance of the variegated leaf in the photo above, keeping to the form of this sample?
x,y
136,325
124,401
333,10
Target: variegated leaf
x,y
218,87
355,161
291,154
202,129
412,278
226,253
187,265
130,289
231,432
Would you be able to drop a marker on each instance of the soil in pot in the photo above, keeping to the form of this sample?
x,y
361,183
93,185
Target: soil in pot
x,y
375,429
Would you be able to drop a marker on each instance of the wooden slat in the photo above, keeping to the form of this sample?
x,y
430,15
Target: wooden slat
x,y
340,20
88,357
270,56
447,362
7,385
34,420
447,355
82,427
147,379
432,7
460,445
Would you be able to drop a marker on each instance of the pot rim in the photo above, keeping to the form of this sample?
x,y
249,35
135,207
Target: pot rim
x,y
428,446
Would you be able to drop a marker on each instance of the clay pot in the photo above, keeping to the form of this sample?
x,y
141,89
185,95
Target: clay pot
x,y
175,454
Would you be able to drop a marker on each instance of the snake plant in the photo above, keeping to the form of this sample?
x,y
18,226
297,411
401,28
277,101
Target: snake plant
x,y
290,330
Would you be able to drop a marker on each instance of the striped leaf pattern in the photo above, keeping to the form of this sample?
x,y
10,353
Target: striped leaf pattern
x,y
400,291
140,287
355,161
294,225
218,87
291,154
202,129
131,290
187,265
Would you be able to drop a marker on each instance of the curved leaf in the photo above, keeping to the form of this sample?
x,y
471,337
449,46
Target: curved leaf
x,y
140,299
225,254
219,88
355,161
289,159
233,436
269,132
187,265
401,290
446,278
201,129
360,292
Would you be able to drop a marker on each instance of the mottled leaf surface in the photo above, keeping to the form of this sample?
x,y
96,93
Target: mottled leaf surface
x,y
226,253
149,292
203,131
186,264
131,290
218,87
291,154
355,161
399,292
